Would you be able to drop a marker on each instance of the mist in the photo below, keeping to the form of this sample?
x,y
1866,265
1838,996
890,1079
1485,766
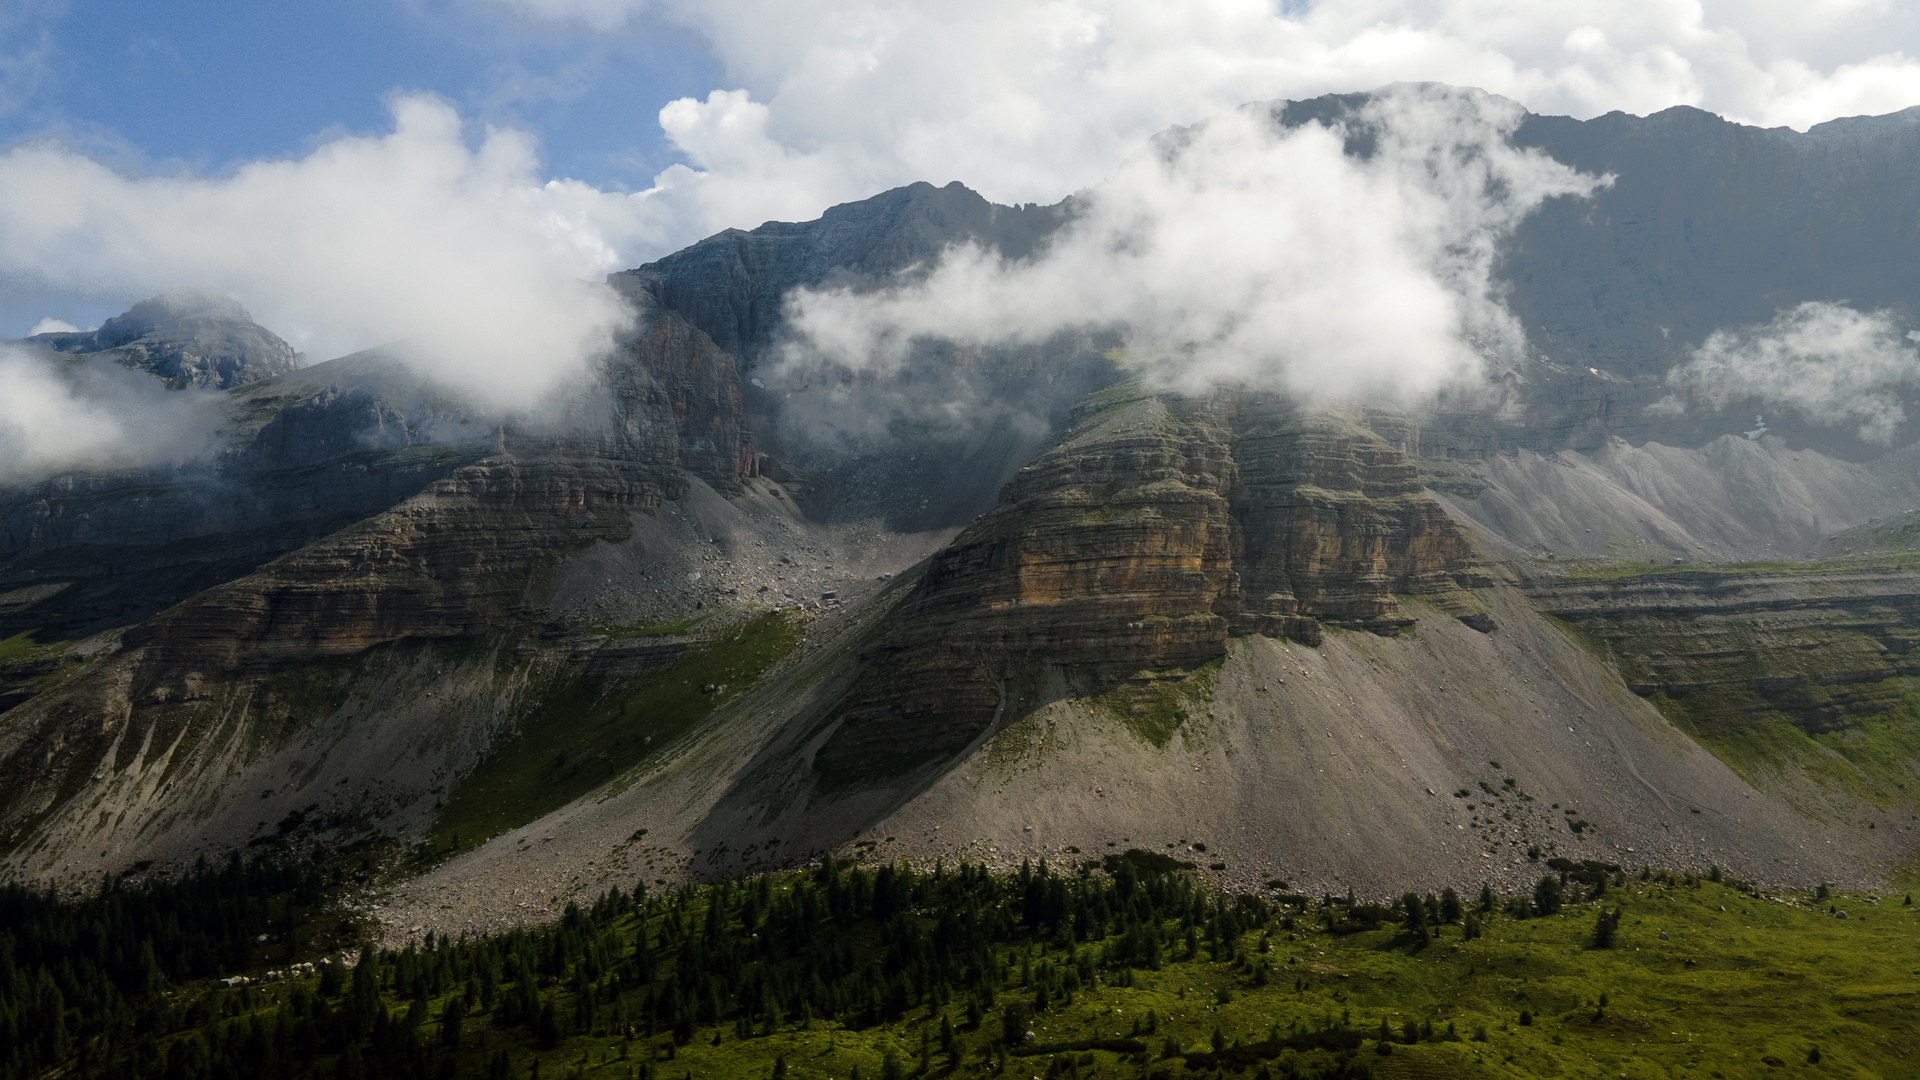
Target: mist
x,y
1834,365
62,413
1237,254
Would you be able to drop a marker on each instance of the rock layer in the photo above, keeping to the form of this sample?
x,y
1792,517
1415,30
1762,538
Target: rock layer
x,y
1824,646
1159,528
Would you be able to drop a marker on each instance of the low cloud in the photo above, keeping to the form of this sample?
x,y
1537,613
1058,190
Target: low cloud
x,y
51,325
1836,366
464,254
1237,253
61,413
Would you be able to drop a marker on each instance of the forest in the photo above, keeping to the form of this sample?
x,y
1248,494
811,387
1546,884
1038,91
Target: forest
x,y
1127,966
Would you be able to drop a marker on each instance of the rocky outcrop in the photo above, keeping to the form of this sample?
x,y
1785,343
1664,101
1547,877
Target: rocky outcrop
x,y
187,339
470,553
676,401
1158,528
1332,521
463,557
1823,645
307,454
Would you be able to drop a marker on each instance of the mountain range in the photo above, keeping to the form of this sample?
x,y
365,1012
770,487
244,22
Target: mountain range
x,y
1586,612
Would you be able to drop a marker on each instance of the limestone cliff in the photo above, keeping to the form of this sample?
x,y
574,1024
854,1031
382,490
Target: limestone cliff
x,y
1157,529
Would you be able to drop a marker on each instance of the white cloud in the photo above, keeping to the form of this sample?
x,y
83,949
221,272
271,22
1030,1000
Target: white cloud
x,y
464,252
1250,256
831,100
51,325
1832,364
61,413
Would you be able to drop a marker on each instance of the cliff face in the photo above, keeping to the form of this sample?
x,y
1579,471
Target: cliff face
x,y
1332,521
469,554
310,453
1133,550
464,557
1824,646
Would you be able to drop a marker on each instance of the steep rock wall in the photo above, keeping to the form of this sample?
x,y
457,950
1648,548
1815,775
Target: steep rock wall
x,y
1132,551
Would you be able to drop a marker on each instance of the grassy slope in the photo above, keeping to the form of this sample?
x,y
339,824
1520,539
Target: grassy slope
x,y
1743,987
588,732
1873,758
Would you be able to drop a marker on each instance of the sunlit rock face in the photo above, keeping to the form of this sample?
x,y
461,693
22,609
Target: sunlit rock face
x,y
1157,529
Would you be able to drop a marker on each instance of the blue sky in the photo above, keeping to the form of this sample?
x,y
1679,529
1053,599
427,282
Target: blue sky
x,y
200,87
203,84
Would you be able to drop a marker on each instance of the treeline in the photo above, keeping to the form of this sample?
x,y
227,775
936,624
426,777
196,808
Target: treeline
x,y
117,984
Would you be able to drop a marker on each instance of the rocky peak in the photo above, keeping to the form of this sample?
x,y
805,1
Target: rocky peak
x,y
733,285
187,339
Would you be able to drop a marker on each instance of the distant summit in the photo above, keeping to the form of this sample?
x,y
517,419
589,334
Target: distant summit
x,y
187,339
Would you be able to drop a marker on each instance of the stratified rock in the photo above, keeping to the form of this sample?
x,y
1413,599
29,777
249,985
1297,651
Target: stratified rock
x,y
1333,521
463,557
1157,529
187,339
1725,651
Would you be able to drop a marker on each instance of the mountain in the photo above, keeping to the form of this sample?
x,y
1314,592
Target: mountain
x,y
710,622
186,339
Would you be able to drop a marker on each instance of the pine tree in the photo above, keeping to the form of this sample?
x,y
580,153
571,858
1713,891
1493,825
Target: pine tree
x,y
1605,925
1416,917
1548,896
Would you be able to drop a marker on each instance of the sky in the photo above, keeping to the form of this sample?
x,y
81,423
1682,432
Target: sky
x,y
448,171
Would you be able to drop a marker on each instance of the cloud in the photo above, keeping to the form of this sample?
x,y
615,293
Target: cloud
x,y
1832,364
463,253
51,325
1237,253
831,100
61,413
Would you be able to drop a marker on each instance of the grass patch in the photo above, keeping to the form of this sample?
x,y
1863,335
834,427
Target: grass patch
x,y
1154,705
658,629
18,647
588,731
1608,570
1872,758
